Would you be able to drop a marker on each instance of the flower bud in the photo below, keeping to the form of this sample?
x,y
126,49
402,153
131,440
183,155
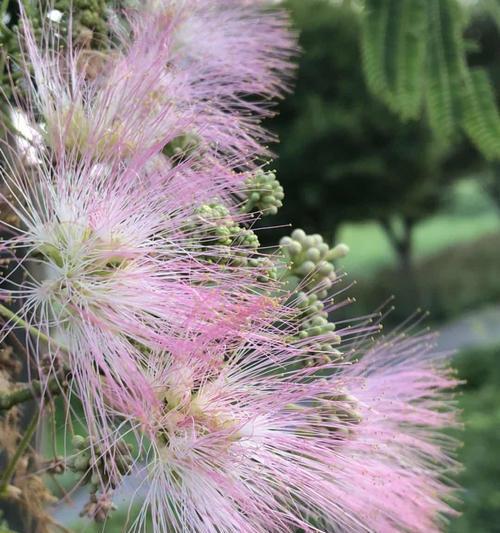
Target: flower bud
x,y
264,193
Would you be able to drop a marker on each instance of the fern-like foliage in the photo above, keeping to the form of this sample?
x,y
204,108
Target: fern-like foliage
x,y
374,33
410,57
394,52
445,65
481,119
414,60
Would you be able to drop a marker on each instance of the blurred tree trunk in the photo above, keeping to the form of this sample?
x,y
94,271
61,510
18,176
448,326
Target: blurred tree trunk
x,y
332,234
401,241
493,184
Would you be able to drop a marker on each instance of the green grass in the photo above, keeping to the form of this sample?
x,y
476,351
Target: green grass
x,y
469,214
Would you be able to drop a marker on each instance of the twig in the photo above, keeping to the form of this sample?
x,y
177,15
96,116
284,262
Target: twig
x,y
35,388
31,391
10,315
11,467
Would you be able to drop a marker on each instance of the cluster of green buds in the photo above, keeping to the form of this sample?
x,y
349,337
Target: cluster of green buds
x,y
310,266
228,241
310,260
263,193
218,227
314,322
91,462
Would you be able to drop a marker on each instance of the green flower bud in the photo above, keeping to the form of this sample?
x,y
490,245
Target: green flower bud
x,y
319,321
313,254
306,268
79,442
341,250
299,235
94,463
263,193
310,260
81,462
293,248
313,322
324,268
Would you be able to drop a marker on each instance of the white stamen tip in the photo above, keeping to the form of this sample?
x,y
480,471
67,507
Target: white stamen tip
x,y
54,15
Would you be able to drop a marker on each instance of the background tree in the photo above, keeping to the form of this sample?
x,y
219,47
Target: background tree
x,y
344,155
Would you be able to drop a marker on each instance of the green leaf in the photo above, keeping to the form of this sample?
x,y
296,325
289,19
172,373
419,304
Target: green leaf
x,y
393,46
481,119
446,65
373,39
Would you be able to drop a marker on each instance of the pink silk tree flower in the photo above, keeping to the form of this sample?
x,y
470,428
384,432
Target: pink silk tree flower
x,y
108,220
114,113
260,444
164,92
174,328
114,268
232,58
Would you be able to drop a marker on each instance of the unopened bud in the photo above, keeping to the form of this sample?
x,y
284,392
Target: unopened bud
x,y
264,193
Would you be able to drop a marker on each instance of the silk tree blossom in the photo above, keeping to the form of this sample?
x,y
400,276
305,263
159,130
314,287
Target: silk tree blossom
x,y
114,267
108,220
218,36
260,443
112,113
224,51
165,83
404,398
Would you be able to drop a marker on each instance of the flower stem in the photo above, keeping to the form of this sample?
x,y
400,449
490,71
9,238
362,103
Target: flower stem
x,y
28,392
10,315
34,388
11,467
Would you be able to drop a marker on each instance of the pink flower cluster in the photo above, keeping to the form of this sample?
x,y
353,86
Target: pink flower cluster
x,y
142,269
